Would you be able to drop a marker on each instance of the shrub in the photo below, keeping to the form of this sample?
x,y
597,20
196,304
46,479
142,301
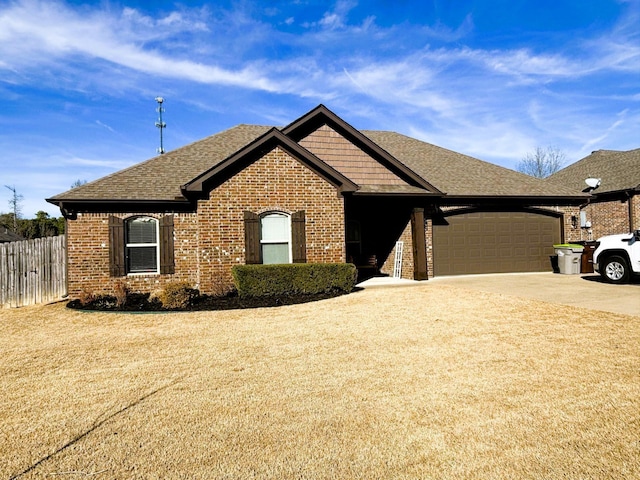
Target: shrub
x,y
293,279
177,295
221,285
121,292
85,297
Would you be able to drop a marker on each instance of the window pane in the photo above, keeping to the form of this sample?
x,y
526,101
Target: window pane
x,y
142,260
275,227
141,230
275,253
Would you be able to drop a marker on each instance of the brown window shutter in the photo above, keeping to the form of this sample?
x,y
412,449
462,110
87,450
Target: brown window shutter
x,y
167,264
298,237
116,247
252,237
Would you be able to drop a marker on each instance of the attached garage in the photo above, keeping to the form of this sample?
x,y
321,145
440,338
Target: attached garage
x,y
494,242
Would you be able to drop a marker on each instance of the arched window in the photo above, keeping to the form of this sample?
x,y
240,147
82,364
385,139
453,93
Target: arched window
x,y
275,238
142,245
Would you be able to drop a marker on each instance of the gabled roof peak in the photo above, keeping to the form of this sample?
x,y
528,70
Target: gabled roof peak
x,y
255,149
618,169
321,115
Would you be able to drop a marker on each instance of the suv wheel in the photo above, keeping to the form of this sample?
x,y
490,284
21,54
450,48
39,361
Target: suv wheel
x,y
615,270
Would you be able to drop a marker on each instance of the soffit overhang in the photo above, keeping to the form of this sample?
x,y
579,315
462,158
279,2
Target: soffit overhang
x,y
614,194
71,207
395,190
516,199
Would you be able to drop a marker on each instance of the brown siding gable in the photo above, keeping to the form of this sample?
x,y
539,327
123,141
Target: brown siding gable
x,y
216,175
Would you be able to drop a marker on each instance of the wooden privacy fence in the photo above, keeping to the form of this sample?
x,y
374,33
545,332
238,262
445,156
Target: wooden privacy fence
x,y
33,271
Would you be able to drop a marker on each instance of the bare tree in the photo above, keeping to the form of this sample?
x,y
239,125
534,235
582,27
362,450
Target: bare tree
x,y
78,183
14,203
542,162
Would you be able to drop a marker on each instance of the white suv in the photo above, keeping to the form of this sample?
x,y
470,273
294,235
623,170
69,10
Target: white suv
x,y
617,257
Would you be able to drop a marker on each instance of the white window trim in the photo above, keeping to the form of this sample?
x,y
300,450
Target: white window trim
x,y
137,245
277,242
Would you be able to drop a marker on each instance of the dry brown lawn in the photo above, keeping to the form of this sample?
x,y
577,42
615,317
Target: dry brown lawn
x,y
425,381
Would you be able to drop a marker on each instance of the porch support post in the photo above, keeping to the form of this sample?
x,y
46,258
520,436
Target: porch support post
x,y
419,241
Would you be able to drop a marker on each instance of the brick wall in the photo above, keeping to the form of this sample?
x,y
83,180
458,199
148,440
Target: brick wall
x,y
407,256
407,252
610,218
276,182
571,233
209,242
88,255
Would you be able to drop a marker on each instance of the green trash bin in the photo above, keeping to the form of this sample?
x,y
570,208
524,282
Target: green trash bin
x,y
569,258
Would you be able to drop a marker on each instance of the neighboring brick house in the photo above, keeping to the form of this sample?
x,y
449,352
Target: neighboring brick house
x,y
614,204
318,190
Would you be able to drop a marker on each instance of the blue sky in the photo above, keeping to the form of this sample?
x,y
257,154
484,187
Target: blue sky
x,y
489,78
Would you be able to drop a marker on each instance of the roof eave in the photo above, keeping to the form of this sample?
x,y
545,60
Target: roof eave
x,y
398,194
540,198
618,192
101,201
70,207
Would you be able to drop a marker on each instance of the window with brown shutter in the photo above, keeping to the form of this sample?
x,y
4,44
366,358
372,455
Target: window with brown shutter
x,y
141,245
275,237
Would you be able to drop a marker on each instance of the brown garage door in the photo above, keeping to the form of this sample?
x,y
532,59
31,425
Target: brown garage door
x,y
494,242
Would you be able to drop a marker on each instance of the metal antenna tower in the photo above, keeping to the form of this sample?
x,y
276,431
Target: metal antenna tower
x,y
160,124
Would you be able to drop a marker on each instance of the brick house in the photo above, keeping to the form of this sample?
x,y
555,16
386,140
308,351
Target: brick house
x,y
317,190
613,205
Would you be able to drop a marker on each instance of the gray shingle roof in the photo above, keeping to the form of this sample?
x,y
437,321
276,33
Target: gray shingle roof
x,y
7,235
619,170
461,175
160,178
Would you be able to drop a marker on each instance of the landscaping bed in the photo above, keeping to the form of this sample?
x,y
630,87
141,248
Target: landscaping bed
x,y
142,302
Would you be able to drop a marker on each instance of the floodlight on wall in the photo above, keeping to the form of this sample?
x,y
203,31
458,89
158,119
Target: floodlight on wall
x,y
583,219
592,182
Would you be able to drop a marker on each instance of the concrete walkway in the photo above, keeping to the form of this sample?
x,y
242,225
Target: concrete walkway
x,y
387,282
586,290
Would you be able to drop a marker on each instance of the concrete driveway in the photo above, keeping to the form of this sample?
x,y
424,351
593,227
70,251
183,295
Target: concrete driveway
x,y
586,290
